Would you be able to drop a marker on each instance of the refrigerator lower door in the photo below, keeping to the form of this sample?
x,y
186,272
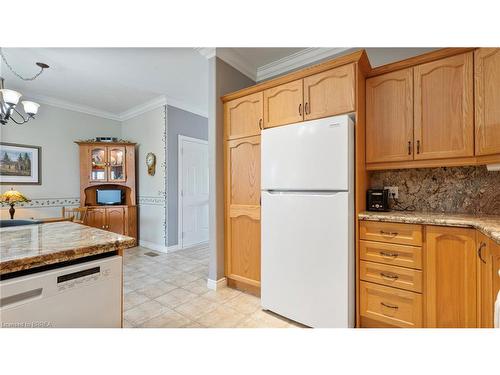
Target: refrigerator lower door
x,y
308,257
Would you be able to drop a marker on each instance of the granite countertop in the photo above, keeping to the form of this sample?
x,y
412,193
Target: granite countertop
x,y
486,224
30,246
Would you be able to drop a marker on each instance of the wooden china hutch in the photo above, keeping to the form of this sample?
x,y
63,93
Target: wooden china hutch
x,y
109,166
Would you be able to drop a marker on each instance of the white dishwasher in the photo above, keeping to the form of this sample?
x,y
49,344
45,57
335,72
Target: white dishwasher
x,y
80,295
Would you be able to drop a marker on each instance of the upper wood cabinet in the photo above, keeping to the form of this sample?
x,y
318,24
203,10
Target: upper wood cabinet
x,y
283,104
244,116
330,93
443,108
487,100
389,117
451,277
242,260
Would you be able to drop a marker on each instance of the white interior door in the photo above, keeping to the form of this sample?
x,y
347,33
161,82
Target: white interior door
x,y
193,191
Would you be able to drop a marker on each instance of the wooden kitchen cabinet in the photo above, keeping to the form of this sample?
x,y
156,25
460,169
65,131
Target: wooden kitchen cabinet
x,y
389,117
330,93
443,108
244,116
96,218
115,219
487,100
283,104
450,263
242,242
488,281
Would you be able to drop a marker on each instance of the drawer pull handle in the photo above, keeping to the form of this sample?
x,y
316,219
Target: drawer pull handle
x,y
389,305
389,276
390,255
390,234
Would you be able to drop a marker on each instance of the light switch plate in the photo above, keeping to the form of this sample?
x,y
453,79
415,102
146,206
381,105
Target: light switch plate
x,y
393,191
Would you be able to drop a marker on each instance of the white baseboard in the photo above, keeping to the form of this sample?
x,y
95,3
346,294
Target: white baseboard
x,y
168,249
214,285
153,246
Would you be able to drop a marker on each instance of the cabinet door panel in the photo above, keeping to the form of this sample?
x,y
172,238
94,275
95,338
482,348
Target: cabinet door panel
x,y
243,211
389,117
116,164
115,220
487,100
283,104
451,277
98,161
329,93
96,218
244,116
444,125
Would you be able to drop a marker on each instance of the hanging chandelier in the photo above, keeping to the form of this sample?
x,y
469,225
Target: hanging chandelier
x,y
9,99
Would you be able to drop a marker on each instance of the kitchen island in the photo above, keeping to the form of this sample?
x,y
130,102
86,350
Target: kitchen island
x,y
61,274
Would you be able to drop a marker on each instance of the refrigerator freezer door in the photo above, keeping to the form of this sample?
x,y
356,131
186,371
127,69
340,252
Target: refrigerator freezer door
x,y
308,257
312,155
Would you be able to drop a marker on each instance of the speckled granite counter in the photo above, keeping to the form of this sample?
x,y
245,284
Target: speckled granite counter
x,y
30,246
487,224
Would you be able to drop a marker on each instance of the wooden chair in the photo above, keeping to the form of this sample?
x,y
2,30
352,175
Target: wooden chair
x,y
75,214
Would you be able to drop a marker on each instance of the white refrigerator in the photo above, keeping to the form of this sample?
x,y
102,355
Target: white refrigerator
x,y
307,221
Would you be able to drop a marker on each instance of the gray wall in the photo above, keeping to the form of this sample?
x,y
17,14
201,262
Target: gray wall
x,y
55,130
223,79
179,122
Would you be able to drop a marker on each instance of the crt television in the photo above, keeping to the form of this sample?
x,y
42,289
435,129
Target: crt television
x,y
109,196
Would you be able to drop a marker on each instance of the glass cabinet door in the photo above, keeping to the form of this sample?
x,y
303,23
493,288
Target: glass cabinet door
x,y
98,160
116,163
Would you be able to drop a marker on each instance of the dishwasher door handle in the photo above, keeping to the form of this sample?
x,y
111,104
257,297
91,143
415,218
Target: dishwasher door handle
x,y
30,294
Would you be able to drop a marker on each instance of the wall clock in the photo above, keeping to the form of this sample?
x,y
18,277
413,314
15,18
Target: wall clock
x,y
151,163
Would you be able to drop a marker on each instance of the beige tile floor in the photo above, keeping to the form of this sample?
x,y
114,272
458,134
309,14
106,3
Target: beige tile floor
x,y
170,291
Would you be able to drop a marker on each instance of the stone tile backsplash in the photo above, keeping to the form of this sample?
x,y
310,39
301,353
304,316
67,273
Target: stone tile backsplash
x,y
471,190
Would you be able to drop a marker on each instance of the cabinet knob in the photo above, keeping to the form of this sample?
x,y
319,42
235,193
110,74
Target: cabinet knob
x,y
409,147
307,109
260,124
300,109
389,305
418,147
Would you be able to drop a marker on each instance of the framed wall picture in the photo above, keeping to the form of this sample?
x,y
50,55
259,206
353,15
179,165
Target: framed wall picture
x,y
20,164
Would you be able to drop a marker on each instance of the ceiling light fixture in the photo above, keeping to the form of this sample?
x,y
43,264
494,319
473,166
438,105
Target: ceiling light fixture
x,y
10,98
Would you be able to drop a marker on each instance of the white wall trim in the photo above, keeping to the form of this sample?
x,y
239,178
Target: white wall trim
x,y
158,247
219,284
234,59
42,99
143,108
295,61
206,52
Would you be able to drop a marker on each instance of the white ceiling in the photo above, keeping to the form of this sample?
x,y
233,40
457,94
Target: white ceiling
x,y
112,80
115,82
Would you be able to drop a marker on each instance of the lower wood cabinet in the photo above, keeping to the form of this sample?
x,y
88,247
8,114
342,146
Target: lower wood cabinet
x,y
451,281
121,220
451,277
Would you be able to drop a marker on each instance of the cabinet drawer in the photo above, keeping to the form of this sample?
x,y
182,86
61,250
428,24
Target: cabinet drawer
x,y
393,254
405,234
398,277
390,305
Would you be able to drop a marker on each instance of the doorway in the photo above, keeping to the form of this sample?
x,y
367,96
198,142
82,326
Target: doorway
x,y
193,191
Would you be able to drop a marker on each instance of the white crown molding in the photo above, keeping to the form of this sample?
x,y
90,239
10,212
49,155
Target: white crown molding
x,y
234,59
42,99
295,61
143,108
206,52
